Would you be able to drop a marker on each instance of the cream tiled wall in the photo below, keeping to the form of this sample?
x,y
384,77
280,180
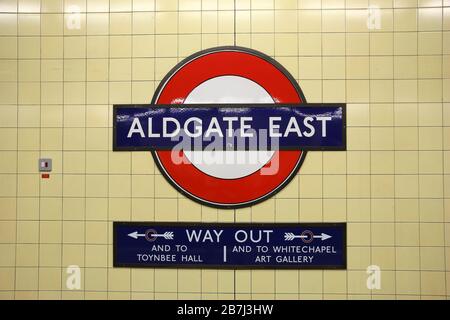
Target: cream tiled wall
x,y
60,74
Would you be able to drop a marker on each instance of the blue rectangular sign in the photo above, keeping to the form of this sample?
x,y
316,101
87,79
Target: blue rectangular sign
x,y
229,127
230,246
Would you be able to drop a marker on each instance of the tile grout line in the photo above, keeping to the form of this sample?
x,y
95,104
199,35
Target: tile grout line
x,y
40,155
418,149
255,9
443,156
393,138
62,156
17,152
85,147
370,155
346,158
108,255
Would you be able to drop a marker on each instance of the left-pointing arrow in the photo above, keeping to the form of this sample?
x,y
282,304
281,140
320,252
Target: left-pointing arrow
x,y
136,235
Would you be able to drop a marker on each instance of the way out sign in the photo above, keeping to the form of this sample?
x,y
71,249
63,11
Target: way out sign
x,y
229,127
232,246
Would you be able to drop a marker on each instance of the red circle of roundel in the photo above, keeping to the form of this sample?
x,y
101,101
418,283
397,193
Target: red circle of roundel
x,y
208,64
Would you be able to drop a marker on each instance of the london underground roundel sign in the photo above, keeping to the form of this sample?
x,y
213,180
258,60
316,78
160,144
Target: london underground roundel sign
x,y
230,76
217,98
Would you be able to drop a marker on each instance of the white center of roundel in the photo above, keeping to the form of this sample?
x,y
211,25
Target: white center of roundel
x,y
228,164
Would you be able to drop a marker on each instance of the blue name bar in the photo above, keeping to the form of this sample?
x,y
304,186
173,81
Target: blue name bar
x,y
230,246
229,127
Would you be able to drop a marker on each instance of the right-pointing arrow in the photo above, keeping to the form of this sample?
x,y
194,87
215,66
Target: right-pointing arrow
x,y
289,236
323,236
